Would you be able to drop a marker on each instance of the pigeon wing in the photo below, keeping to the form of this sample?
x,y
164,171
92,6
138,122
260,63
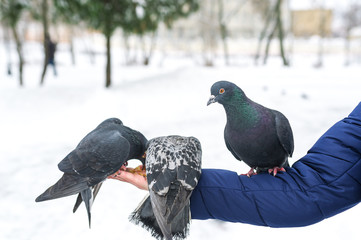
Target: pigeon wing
x,y
174,170
101,153
284,132
159,178
188,161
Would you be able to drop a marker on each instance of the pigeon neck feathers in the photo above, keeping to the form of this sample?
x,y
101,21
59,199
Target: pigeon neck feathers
x,y
137,142
241,111
138,147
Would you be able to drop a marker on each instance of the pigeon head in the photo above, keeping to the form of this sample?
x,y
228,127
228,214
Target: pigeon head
x,y
142,143
138,143
110,121
225,92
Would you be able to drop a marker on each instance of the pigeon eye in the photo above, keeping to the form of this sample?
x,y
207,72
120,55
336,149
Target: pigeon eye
x,y
221,91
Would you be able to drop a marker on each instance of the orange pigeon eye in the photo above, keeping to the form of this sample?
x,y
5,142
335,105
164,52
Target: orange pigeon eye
x,y
221,91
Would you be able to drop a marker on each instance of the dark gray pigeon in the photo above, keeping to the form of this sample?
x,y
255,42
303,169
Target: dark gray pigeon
x,y
173,167
259,136
99,154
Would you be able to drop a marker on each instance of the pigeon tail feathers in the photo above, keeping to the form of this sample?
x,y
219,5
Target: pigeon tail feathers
x,y
87,197
143,216
79,199
67,185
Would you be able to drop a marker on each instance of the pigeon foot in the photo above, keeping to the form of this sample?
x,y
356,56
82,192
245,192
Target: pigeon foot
x,y
275,170
250,173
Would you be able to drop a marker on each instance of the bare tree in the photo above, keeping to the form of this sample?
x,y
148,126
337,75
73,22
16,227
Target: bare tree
x,y
71,43
223,30
322,33
147,46
208,28
281,32
19,48
129,59
8,49
352,18
264,8
224,17
46,36
273,25
10,14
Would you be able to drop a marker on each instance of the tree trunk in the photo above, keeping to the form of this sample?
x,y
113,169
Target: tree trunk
x,y
71,42
72,54
143,48
147,54
269,40
347,48
208,27
224,35
322,29
8,49
108,80
281,33
277,18
90,50
223,31
263,35
45,23
19,50
128,60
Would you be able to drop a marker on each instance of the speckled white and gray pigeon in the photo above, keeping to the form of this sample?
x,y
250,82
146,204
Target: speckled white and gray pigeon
x,y
173,166
99,154
259,136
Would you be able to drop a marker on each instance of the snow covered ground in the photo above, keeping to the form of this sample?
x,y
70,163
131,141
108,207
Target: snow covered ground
x,y
40,125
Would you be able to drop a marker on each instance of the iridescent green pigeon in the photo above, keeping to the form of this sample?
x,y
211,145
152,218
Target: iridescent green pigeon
x,y
259,136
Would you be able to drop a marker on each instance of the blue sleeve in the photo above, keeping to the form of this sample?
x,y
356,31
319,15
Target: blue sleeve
x,y
323,183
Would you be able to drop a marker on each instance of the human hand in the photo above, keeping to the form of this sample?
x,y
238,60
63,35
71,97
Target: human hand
x,y
136,176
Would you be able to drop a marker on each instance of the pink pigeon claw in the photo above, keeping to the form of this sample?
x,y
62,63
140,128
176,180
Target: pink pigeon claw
x,y
250,173
275,170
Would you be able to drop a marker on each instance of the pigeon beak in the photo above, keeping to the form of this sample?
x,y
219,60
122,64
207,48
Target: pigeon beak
x,y
144,156
211,100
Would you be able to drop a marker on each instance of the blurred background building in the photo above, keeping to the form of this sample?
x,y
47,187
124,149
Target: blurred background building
x,y
306,23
